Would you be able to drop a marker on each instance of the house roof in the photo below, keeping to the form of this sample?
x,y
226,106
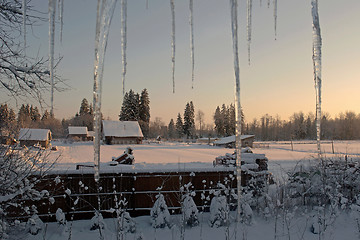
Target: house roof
x,y
121,129
231,139
34,134
78,130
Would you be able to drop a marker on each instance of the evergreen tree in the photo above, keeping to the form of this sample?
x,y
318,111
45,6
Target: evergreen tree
x,y
144,112
171,129
189,120
45,116
4,116
24,118
34,114
179,126
219,123
84,107
130,107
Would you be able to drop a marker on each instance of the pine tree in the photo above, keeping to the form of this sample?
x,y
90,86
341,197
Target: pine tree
x,y
4,116
171,129
34,114
45,116
179,126
144,112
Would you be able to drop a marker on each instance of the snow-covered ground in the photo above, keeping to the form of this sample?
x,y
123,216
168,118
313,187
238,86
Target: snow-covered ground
x,y
164,155
282,157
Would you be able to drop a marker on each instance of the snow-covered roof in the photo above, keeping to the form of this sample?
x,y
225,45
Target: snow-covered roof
x,y
34,134
231,139
78,130
121,129
91,133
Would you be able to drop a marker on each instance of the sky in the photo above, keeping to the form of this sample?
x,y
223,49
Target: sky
x,y
279,80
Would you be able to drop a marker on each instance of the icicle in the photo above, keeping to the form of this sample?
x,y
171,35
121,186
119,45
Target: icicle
x,y
105,10
61,14
268,4
172,6
24,7
248,27
234,29
260,3
123,40
275,16
147,4
192,41
52,10
317,42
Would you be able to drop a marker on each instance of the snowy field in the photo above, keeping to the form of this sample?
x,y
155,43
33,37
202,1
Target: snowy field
x,y
181,156
283,156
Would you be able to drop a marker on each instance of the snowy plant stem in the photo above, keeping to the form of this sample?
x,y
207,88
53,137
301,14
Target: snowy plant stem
x,y
24,7
52,10
191,21
275,17
172,7
248,26
234,28
105,12
123,40
317,43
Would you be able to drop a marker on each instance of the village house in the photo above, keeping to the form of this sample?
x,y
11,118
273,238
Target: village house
x,y
31,137
122,132
79,133
246,141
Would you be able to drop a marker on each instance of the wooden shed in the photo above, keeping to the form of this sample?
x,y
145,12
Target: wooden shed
x,y
32,136
122,132
246,141
79,133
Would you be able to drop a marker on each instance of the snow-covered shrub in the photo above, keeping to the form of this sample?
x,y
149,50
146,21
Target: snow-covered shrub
x,y
97,221
60,216
219,212
159,214
126,223
34,224
20,170
191,213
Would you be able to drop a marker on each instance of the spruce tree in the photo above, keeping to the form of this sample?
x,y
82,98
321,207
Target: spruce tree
x,y
189,120
84,107
171,129
130,107
144,112
179,126
219,123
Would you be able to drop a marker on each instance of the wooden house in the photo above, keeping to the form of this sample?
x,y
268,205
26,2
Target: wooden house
x,y
78,133
31,137
122,132
246,141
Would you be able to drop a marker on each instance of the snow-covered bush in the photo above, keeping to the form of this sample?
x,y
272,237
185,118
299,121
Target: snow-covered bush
x,y
60,216
97,221
219,212
191,213
126,223
20,171
159,214
34,224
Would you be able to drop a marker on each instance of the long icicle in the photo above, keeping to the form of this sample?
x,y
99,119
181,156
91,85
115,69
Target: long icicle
x,y
123,40
172,6
317,43
61,17
24,8
248,26
52,10
234,29
191,21
105,12
275,17
268,3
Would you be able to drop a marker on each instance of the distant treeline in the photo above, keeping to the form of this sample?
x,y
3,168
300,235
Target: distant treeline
x,y
345,126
